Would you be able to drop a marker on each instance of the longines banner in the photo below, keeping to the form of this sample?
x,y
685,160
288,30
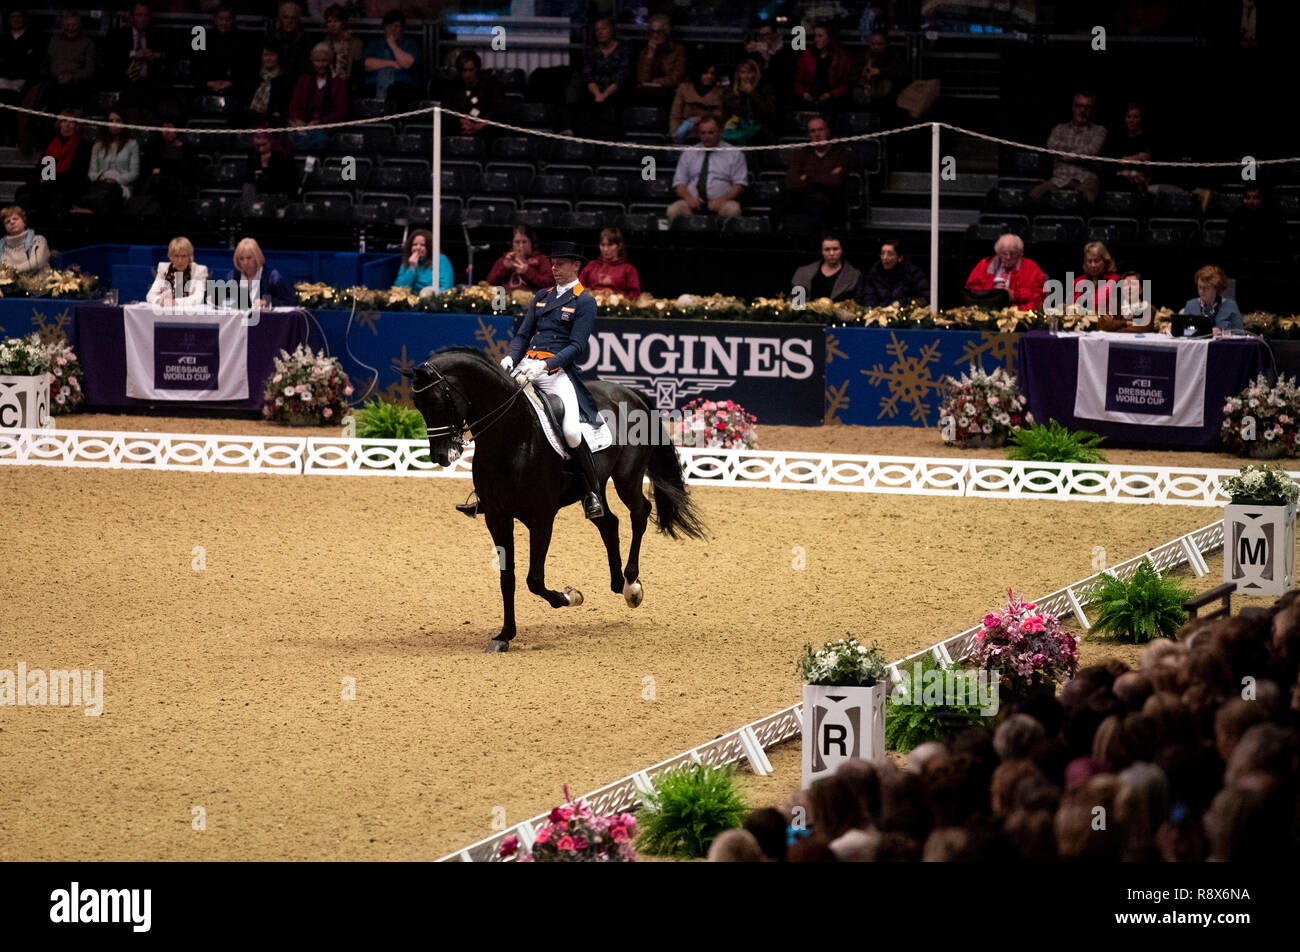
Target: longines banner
x,y
775,371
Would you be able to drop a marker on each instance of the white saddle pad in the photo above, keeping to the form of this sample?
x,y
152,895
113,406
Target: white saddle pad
x,y
597,438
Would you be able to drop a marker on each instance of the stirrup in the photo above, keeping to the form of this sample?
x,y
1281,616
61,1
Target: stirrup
x,y
470,506
591,506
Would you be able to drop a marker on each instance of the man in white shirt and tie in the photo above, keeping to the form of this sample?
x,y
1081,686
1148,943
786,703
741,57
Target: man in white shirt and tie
x,y
709,182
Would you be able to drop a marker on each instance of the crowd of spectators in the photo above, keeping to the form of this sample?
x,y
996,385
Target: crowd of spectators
x,y
1191,755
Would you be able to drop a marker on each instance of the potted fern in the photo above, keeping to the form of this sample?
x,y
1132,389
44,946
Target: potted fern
x,y
843,705
685,810
934,701
1259,530
24,383
1140,608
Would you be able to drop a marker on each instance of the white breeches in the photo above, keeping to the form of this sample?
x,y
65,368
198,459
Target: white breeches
x,y
559,384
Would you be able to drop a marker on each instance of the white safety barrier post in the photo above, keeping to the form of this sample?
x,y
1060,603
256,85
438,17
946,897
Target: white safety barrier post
x,y
934,218
435,253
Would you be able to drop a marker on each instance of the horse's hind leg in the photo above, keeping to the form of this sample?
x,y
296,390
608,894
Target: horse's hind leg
x,y
539,541
608,526
630,491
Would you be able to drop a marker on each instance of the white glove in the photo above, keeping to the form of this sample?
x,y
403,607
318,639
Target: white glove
x,y
507,364
530,368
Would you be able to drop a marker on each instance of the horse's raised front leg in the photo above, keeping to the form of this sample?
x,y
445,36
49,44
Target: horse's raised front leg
x,y
503,537
539,542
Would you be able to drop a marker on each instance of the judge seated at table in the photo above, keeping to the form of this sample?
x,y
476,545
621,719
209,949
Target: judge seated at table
x,y
256,284
1134,308
1006,277
181,281
1210,303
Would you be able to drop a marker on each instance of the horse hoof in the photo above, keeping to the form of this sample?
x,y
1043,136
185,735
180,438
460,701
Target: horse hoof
x,y
633,593
496,645
573,595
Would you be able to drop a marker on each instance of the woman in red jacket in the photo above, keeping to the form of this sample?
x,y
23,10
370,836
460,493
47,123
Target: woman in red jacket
x,y
1008,270
824,74
522,268
1099,272
611,271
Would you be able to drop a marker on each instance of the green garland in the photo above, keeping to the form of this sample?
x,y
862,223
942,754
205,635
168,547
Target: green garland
x,y
48,284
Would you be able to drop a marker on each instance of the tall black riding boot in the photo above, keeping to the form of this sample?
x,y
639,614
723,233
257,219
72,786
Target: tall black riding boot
x,y
591,504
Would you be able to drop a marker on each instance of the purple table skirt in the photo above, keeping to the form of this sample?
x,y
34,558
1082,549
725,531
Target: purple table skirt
x,y
1049,377
99,340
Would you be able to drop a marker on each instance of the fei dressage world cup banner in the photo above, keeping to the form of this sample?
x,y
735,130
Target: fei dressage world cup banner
x,y
184,355
1145,380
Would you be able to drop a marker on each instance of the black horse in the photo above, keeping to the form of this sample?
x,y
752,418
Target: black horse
x,y
517,475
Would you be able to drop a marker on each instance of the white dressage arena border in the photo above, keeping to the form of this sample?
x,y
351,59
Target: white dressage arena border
x,y
822,472
751,742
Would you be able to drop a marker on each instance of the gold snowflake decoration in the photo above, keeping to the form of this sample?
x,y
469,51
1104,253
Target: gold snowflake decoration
x,y
399,391
487,336
1001,347
909,380
836,400
833,348
52,330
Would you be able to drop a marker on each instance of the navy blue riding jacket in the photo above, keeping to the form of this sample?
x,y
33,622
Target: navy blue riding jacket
x,y
561,325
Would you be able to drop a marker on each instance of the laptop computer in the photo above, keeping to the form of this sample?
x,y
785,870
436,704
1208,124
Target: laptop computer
x,y
1191,325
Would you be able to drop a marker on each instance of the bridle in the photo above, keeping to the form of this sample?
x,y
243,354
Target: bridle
x,y
456,431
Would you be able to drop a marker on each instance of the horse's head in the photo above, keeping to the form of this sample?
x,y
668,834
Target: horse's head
x,y
444,408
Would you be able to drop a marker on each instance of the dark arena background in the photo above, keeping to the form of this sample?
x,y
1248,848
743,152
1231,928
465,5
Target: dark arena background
x,y
847,254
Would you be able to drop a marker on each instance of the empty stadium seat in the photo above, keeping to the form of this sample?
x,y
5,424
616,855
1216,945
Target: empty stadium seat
x,y
605,188
753,226
400,179
412,143
347,143
537,217
1015,224
645,119
1057,229
507,178
1214,233
657,189
1036,165
764,191
514,149
1176,204
1112,230
1226,201
582,221
1172,232
564,152
856,123
463,147
371,215
1007,199
697,224
492,212
469,173
1124,203
535,115
367,108
1063,202
638,223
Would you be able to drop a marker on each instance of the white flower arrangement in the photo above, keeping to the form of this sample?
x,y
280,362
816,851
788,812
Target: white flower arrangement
x,y
24,356
842,662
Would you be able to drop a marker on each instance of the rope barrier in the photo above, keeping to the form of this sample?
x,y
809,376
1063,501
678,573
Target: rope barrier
x,y
674,147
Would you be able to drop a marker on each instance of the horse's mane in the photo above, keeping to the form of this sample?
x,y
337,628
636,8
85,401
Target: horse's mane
x,y
471,352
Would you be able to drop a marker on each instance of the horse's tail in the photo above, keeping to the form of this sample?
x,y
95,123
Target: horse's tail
x,y
675,511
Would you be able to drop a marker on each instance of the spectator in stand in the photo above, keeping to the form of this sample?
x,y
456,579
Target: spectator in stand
x,y
1098,275
881,76
661,66
391,65
136,60
1209,302
606,73
270,170
114,167
522,268
893,279
735,846
224,62
1080,135
749,108
824,73
474,93
21,52
695,99
776,59
813,200
68,67
256,284
612,271
416,272
180,280
1132,144
831,277
1008,271
1259,248
71,154
167,177
290,39
318,99
709,182
344,47
268,98
24,250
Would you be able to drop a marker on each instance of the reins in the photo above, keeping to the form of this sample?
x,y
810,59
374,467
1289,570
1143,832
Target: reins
x,y
457,432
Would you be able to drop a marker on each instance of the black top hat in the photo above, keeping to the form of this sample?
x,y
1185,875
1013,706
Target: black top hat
x,y
566,249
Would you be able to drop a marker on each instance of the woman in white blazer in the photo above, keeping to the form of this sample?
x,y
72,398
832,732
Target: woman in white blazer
x,y
180,280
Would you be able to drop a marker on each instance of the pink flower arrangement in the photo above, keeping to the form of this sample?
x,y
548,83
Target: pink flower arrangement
x,y
981,405
720,424
65,378
306,386
573,833
1025,645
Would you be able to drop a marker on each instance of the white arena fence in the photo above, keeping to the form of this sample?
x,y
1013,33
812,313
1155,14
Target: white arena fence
x,y
750,743
759,469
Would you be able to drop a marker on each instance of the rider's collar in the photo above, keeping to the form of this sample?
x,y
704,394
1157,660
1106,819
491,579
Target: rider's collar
x,y
576,285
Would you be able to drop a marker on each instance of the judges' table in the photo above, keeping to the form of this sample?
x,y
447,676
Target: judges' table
x,y
1137,388
139,356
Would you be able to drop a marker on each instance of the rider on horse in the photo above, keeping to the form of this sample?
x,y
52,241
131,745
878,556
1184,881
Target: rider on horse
x,y
551,340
